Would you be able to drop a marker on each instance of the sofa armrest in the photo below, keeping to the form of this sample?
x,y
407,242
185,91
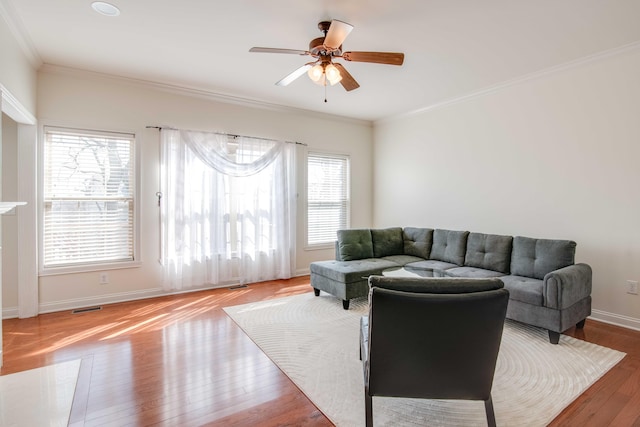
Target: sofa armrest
x,y
564,287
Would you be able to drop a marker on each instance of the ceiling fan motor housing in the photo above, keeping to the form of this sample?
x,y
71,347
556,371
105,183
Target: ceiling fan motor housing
x,y
316,48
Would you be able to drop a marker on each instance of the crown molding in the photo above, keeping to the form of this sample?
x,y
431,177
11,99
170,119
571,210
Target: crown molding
x,y
196,92
11,17
14,109
630,47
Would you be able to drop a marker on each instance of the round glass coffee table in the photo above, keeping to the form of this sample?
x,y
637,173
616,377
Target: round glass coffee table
x,y
414,272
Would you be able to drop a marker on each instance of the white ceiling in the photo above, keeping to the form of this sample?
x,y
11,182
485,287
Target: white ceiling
x,y
452,47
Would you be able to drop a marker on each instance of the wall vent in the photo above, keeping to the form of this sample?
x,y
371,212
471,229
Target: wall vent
x,y
237,287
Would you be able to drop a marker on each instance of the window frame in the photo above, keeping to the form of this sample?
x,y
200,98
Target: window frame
x,y
329,154
91,266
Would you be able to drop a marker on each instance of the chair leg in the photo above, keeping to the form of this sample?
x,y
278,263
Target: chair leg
x,y
345,304
580,324
491,416
316,292
554,337
368,408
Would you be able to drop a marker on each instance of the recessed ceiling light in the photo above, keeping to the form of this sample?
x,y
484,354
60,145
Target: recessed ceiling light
x,y
105,9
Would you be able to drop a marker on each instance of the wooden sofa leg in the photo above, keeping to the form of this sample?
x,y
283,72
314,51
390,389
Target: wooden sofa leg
x,y
554,337
316,292
580,324
345,304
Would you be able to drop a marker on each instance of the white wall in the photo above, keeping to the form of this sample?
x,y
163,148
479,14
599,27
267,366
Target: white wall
x,y
9,222
76,99
555,156
17,74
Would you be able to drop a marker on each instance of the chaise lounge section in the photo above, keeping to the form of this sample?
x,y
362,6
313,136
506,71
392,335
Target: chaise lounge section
x,y
547,288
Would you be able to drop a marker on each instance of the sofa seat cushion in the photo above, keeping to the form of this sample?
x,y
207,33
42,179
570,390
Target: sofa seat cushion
x,y
387,241
431,264
403,259
473,272
351,271
524,289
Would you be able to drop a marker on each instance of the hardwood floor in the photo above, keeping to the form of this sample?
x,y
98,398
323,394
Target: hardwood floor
x,y
179,360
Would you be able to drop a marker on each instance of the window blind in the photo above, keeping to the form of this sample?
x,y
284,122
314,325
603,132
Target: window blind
x,y
88,197
327,197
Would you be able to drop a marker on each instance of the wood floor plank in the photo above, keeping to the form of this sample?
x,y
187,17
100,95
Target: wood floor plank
x,y
180,360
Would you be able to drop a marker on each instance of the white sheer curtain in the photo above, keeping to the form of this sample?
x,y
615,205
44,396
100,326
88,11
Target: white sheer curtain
x,y
227,209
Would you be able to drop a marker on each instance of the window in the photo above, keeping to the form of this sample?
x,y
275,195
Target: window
x,y
327,197
88,195
227,209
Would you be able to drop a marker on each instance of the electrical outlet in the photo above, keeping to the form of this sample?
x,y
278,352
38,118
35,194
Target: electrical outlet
x,y
104,278
632,287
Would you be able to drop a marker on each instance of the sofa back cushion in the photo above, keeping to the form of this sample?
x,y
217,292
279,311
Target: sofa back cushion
x,y
355,244
537,257
387,242
449,246
417,241
489,251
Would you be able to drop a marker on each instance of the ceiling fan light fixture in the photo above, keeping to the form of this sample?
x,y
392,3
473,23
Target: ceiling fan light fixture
x,y
333,74
316,73
321,73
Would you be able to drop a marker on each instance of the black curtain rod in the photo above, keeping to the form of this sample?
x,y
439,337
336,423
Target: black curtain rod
x,y
231,135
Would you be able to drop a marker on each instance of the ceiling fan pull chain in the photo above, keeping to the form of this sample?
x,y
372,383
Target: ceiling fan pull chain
x,y
325,90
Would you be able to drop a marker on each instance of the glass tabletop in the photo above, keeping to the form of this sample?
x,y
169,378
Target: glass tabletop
x,y
407,271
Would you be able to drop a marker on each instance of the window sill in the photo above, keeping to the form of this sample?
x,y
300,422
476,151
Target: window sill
x,y
54,271
320,247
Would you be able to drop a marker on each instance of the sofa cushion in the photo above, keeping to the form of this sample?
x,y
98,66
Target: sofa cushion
x,y
473,272
355,244
350,271
387,242
537,257
449,246
417,241
489,252
524,289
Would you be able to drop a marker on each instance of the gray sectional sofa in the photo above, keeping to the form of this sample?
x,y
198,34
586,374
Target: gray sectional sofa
x,y
547,289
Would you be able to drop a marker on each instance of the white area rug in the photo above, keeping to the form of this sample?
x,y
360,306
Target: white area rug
x,y
39,397
316,343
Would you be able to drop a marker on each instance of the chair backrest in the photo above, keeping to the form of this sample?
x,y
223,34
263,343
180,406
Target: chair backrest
x,y
434,338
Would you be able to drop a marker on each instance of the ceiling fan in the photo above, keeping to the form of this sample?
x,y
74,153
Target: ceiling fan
x,y
327,48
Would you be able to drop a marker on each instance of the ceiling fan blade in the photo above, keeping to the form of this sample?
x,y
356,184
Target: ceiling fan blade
x,y
338,31
391,58
274,50
347,82
297,73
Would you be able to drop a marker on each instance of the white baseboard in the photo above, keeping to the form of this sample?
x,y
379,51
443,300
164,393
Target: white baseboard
x,y
616,319
10,313
72,304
